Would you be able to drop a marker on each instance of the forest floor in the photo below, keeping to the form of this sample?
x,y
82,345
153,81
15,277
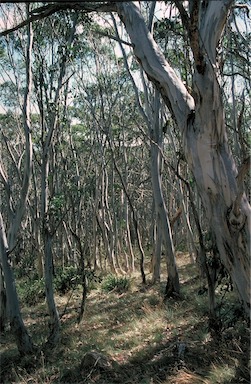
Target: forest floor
x,y
137,338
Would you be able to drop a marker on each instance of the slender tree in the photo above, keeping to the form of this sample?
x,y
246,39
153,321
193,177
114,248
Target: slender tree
x,y
199,115
200,118
23,340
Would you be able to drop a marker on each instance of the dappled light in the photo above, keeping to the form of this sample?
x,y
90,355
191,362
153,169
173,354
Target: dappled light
x,y
125,192
146,338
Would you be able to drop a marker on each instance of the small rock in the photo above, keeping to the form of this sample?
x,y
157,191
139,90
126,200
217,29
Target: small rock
x,y
94,359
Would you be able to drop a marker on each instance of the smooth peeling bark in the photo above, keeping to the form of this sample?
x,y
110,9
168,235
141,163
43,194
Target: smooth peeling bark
x,y
153,62
204,134
210,159
212,25
213,167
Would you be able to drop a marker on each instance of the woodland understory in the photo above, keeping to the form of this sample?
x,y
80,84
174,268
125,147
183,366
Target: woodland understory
x,y
125,192
129,334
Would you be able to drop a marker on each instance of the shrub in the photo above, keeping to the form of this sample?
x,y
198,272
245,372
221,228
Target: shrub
x,y
66,279
25,266
92,279
31,291
115,283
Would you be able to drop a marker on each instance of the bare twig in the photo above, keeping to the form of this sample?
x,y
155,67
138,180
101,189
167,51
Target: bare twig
x,y
48,10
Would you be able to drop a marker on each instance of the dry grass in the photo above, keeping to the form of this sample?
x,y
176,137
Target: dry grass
x,y
148,340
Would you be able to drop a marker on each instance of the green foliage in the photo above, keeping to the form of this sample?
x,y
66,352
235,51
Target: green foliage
x,y
92,279
57,203
25,267
139,332
115,283
32,291
66,279
8,94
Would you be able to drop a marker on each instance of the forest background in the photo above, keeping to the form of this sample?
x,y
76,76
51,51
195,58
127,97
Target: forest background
x,y
97,189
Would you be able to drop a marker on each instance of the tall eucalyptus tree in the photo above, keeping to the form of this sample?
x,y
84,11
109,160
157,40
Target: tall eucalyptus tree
x,y
8,243
199,115
200,118
49,99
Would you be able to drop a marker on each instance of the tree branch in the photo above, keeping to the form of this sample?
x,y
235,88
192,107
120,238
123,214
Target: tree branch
x,y
48,10
156,67
112,37
243,170
183,14
213,24
192,26
242,6
236,216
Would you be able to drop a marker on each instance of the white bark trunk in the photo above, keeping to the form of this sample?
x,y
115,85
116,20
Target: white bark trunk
x,y
158,70
3,302
47,235
203,130
48,230
172,286
23,340
156,258
215,172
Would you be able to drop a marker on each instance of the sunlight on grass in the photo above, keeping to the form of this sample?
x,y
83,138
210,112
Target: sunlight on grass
x,y
185,377
139,330
221,374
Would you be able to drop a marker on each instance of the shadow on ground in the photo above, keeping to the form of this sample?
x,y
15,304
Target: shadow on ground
x,y
145,340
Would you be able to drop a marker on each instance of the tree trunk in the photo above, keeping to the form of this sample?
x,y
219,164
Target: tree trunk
x,y
48,222
216,177
128,238
3,302
134,217
172,286
201,121
156,258
54,322
205,141
23,340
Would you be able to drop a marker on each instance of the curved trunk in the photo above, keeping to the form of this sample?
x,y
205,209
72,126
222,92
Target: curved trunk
x,y
203,127
47,235
134,218
215,173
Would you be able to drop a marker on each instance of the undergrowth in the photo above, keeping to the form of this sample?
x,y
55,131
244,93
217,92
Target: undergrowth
x,y
146,339
115,283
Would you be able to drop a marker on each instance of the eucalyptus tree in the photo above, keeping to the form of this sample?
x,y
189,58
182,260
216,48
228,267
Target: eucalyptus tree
x,y
50,75
198,113
200,117
8,243
235,74
104,97
150,109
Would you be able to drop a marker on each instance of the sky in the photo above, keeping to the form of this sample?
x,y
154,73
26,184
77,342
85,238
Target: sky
x,y
9,18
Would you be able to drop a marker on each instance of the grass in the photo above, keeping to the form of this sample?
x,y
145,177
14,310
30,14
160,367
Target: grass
x,y
142,335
